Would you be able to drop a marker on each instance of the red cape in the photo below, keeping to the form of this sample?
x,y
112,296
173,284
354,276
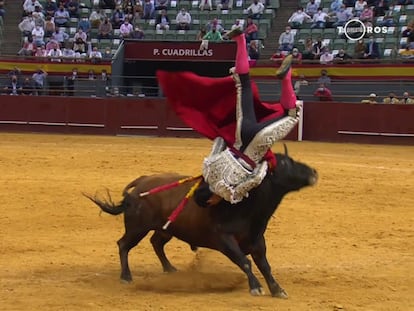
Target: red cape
x,y
208,105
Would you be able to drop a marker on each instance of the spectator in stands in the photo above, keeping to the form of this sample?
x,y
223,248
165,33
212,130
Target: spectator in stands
x,y
183,19
215,23
201,33
367,14
326,57
297,18
251,31
323,93
307,52
324,78
105,30
38,35
342,16
14,87
359,50
2,9
29,6
335,6
68,53
405,2
61,17
311,8
372,99
256,9
41,51
129,13
161,4
296,56
205,5
80,41
391,99
28,48
85,24
107,4
277,57
52,44
409,34
27,87
38,16
253,50
50,8
286,40
298,85
96,18
95,55
381,8
388,19
162,21
73,8
138,33
237,24
406,99
213,35
317,48
117,18
126,29
55,54
49,27
107,54
60,36
342,57
319,19
39,78
372,49
27,25
359,7
148,10
224,4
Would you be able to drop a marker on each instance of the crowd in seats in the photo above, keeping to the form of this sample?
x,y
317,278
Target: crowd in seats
x,y
81,25
317,28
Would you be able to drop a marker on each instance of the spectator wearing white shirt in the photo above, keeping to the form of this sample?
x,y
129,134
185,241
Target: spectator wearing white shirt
x,y
255,10
95,55
237,24
205,5
311,8
359,7
55,55
297,18
183,19
126,29
319,19
30,5
326,57
38,35
286,40
26,26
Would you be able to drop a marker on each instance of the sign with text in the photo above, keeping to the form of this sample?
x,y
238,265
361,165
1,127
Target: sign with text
x,y
180,51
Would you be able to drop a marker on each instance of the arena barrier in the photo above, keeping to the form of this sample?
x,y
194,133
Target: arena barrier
x,y
322,121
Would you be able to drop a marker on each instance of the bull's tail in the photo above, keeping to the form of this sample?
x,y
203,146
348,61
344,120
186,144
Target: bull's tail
x,y
108,206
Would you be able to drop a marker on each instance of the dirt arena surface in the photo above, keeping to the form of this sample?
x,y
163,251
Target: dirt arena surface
x,y
345,244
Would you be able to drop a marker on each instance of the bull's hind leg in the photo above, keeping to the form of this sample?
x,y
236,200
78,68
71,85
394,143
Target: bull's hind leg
x,y
231,249
158,241
128,241
259,256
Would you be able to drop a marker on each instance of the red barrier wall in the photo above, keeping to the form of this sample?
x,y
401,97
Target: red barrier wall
x,y
323,121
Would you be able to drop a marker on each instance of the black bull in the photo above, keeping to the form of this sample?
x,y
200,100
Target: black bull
x,y
235,230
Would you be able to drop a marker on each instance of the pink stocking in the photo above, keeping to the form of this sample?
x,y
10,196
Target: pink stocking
x,y
287,96
242,59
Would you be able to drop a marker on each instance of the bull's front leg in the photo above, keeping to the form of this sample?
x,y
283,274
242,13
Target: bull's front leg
x,y
231,249
259,256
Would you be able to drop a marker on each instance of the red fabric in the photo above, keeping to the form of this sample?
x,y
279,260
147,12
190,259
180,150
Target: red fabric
x,y
208,105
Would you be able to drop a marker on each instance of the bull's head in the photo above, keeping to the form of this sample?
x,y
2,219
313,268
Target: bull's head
x,y
292,175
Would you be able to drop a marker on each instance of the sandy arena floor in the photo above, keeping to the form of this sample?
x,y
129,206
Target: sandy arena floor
x,y
346,244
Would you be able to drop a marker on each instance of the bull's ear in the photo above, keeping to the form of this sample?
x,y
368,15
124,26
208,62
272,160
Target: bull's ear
x,y
286,150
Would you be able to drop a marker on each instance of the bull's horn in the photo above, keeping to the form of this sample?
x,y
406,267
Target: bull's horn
x,y
286,149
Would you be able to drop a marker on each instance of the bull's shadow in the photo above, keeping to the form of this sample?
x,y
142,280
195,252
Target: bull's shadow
x,y
236,230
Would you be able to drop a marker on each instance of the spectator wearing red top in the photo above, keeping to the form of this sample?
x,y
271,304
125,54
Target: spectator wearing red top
x,y
277,57
251,30
323,93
